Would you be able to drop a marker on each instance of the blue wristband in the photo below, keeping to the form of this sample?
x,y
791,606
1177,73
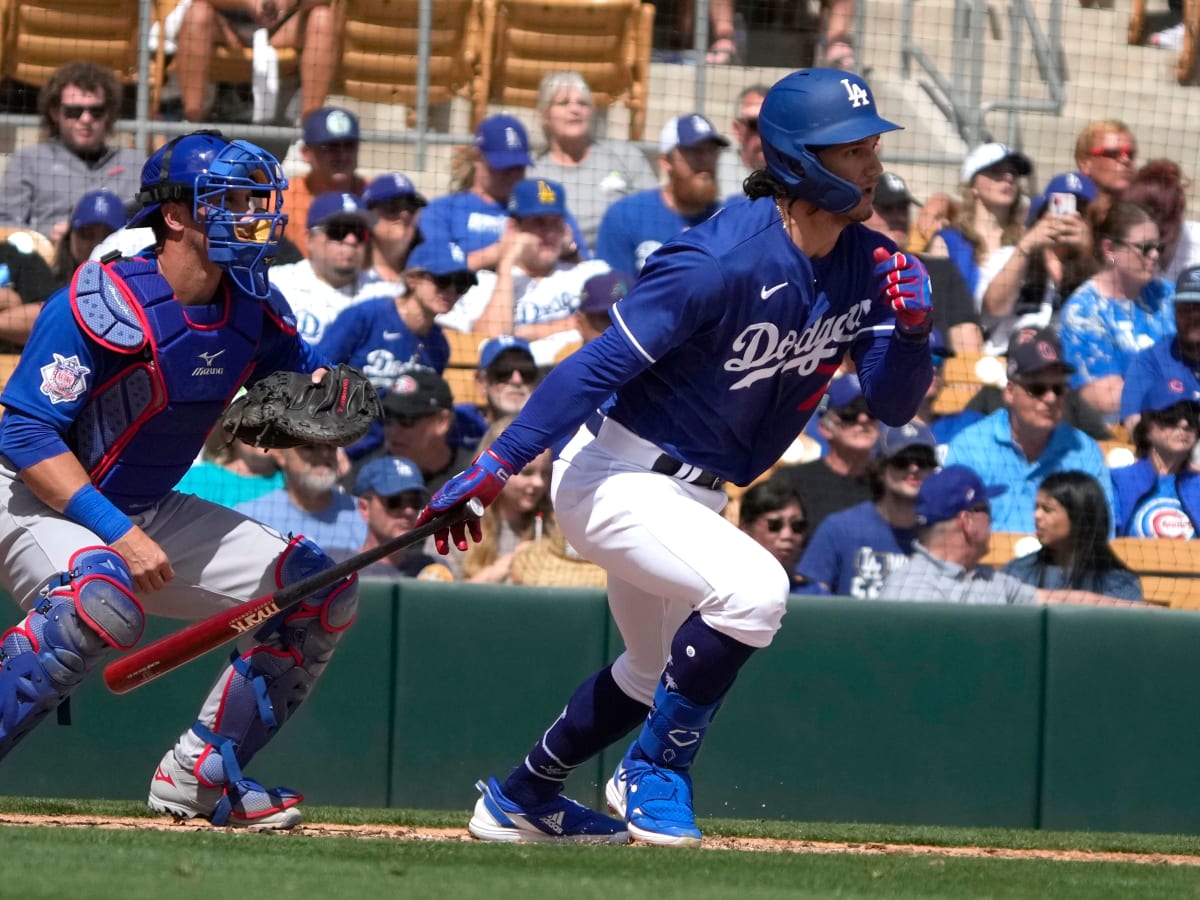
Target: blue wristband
x,y
94,511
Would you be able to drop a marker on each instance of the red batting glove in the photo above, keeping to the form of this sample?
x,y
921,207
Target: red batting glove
x,y
485,478
904,285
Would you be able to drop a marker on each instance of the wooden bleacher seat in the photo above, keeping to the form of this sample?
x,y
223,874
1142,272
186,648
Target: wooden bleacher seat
x,y
605,41
1169,569
464,347
379,52
962,377
1004,547
8,362
464,386
41,35
1185,63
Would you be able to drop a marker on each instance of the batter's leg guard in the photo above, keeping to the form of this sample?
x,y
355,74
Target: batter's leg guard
x,y
263,687
652,787
85,614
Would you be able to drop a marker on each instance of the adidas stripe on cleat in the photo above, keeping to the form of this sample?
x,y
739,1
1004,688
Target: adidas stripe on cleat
x,y
497,818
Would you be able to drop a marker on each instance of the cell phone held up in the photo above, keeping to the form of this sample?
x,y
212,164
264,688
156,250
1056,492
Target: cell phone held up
x,y
1062,204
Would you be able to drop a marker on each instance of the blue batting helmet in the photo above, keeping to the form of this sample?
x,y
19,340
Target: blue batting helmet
x,y
201,167
810,109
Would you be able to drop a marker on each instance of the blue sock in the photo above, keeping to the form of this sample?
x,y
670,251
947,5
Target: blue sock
x,y
597,714
703,662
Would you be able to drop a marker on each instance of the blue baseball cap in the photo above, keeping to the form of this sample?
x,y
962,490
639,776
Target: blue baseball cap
x,y
387,476
1075,183
688,131
1162,395
601,291
438,258
329,125
537,197
503,142
1187,285
497,345
949,491
895,439
99,208
336,205
390,186
843,392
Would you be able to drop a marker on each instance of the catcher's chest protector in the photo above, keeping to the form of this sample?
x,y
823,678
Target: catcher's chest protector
x,y
139,432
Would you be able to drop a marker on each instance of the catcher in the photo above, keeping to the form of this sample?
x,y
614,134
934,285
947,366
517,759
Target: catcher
x,y
126,372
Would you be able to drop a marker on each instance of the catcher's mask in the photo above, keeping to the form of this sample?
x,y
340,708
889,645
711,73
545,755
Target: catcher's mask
x,y
236,189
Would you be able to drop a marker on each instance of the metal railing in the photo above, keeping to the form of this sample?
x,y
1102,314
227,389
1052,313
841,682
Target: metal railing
x,y
960,96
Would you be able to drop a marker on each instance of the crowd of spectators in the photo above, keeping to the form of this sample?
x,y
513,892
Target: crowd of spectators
x,y
1087,291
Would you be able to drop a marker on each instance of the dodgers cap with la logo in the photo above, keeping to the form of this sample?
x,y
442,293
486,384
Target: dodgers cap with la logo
x,y
503,142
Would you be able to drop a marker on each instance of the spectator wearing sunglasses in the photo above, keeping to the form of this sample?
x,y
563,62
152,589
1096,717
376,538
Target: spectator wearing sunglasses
x,y
1122,309
78,108
773,514
534,291
1020,444
389,493
746,155
506,377
387,336
854,550
1159,494
1161,187
334,276
1175,359
395,206
837,479
955,513
1106,152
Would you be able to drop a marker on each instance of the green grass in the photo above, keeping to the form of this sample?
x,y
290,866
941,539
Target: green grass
x,y
98,864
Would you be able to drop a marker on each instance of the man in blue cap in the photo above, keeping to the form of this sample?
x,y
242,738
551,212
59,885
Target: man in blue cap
x,y
395,205
391,492
635,226
334,275
330,141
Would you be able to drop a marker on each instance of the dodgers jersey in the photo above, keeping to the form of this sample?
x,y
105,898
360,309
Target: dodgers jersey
x,y
373,338
726,344
471,222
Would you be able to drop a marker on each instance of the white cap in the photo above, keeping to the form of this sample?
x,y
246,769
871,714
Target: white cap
x,y
987,155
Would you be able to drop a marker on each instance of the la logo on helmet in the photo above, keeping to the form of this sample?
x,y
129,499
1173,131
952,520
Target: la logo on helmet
x,y
856,93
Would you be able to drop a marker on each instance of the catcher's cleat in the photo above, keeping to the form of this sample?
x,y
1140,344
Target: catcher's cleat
x,y
243,804
655,801
498,818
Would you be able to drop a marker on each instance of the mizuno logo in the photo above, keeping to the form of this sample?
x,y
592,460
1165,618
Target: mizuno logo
x,y
766,292
160,775
210,358
208,368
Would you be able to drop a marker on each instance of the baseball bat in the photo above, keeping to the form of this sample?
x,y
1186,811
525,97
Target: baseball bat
x,y
170,652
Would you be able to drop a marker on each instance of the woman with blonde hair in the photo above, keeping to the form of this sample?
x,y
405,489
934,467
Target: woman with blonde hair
x,y
991,213
521,514
593,172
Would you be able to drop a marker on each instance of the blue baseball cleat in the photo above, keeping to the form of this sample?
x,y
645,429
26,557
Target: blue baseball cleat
x,y
497,818
656,802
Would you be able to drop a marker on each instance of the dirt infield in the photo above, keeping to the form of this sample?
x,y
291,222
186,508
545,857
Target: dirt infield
x,y
748,845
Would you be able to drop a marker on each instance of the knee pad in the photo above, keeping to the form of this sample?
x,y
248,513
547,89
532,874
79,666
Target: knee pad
x,y
268,683
87,612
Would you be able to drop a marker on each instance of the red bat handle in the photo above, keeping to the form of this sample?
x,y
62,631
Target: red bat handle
x,y
169,653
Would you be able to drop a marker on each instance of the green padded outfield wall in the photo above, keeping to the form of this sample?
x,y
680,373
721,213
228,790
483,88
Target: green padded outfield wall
x,y
914,713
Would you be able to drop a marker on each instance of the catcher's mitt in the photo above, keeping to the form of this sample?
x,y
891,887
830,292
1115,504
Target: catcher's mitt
x,y
285,409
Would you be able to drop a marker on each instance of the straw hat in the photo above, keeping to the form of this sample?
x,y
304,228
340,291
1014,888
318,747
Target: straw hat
x,y
552,562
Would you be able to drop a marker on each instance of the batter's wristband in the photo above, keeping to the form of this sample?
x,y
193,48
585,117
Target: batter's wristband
x,y
94,511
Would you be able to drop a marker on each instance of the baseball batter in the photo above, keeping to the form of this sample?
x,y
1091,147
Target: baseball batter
x,y
124,374
715,361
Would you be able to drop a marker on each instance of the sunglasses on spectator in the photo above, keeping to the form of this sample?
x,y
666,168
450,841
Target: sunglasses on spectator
x,y
1123,153
775,524
750,123
850,416
1144,247
985,508
403,501
395,209
461,282
408,420
905,462
1042,388
1170,418
503,374
76,110
339,231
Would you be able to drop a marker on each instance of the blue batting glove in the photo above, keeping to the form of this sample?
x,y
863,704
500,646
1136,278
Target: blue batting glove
x,y
485,478
904,286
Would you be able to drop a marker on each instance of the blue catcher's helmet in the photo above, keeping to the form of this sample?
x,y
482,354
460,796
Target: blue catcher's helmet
x,y
236,190
810,109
